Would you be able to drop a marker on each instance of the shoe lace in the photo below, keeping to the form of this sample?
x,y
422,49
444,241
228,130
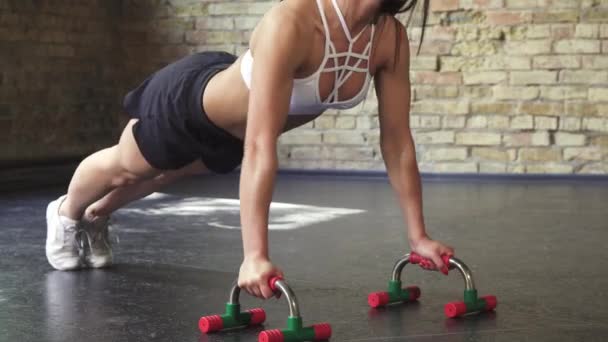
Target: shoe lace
x,y
82,239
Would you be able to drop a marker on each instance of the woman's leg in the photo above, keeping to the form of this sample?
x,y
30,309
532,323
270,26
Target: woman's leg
x,y
123,195
104,171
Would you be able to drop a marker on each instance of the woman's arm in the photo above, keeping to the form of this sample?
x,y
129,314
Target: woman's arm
x,y
398,149
277,55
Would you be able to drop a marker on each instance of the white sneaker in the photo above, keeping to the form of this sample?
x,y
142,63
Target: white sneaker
x,y
100,250
63,251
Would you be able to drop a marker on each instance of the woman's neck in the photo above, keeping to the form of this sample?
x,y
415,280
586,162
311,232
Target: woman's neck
x,y
358,13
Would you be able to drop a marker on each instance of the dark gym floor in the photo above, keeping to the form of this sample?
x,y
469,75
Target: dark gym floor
x,y
539,246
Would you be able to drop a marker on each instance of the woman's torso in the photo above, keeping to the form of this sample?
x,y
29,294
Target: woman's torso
x,y
227,95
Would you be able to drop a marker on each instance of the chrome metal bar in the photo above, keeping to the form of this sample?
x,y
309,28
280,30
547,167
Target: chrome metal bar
x,y
234,294
469,284
294,309
398,268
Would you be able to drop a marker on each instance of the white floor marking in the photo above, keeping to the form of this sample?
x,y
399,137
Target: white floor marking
x,y
224,212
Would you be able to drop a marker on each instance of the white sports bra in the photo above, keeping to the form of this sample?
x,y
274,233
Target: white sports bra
x,y
305,97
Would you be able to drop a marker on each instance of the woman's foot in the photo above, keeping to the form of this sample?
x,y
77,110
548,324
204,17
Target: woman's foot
x,y
100,249
63,247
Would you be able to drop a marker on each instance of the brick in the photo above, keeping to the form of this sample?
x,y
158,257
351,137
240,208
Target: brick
x,y
301,138
601,141
345,122
541,108
528,47
569,139
455,167
488,77
515,93
441,78
538,138
325,122
498,122
516,169
441,107
577,46
533,77
493,154
604,31
343,137
481,4
478,138
430,121
424,92
570,124
550,16
476,92
445,6
305,152
586,109
552,168
562,31
437,137
239,8
444,154
595,124
522,122
528,4
557,62
473,48
502,18
492,168
596,15
366,122
587,31
437,48
538,31
477,121
454,121
246,23
507,108
535,154
595,62
598,94
545,123
424,63
559,3
221,23
348,153
563,93
594,168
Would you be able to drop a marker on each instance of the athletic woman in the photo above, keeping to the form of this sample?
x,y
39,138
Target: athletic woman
x,y
212,111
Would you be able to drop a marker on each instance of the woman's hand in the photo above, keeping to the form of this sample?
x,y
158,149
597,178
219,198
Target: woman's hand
x,y
432,250
255,274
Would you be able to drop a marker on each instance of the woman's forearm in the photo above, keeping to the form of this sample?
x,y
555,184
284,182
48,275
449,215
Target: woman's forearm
x,y
404,176
258,173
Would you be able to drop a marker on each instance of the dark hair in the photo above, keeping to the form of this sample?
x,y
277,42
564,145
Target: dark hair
x,y
393,7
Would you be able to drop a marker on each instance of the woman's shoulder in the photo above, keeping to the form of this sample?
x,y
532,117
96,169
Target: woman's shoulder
x,y
288,18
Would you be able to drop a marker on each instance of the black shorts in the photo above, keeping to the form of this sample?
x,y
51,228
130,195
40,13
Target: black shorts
x,y
173,129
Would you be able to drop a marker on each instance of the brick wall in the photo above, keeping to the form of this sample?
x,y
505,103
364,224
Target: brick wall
x,y
58,78
508,86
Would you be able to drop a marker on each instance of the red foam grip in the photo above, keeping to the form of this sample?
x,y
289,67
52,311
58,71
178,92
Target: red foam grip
x,y
271,336
209,324
415,258
272,283
414,292
258,316
322,331
491,302
378,299
455,309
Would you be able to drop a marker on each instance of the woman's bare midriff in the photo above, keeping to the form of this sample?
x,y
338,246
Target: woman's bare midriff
x,y
226,100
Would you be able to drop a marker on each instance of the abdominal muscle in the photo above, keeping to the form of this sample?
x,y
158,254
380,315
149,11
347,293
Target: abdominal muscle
x,y
226,99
